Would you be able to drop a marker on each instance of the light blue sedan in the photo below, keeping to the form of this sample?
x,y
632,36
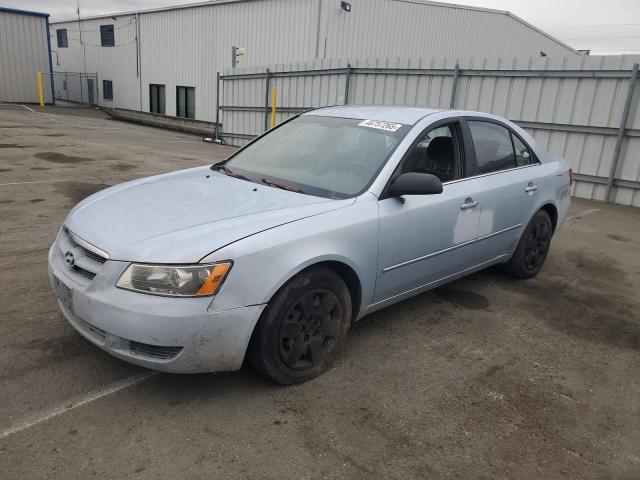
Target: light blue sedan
x,y
272,254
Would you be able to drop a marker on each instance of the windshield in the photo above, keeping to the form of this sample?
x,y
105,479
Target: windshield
x,y
324,156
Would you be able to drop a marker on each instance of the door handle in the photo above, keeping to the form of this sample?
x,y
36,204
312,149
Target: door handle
x,y
532,187
469,204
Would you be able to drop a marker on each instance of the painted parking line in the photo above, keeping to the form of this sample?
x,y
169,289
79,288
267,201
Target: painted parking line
x,y
40,113
77,402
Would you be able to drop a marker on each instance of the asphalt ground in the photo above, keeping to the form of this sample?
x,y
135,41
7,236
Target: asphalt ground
x,y
487,377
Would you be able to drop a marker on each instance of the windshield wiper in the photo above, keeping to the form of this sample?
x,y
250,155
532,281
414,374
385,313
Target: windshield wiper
x,y
229,173
282,186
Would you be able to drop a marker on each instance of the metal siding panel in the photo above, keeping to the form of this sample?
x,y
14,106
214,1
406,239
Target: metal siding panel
x,y
189,45
23,52
396,28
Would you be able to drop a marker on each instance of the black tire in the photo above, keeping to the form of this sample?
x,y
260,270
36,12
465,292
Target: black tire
x,y
303,327
532,248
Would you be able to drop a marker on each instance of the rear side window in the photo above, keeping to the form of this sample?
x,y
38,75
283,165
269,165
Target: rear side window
x,y
492,143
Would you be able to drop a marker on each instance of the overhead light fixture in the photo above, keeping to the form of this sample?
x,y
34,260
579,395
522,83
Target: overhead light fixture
x,y
346,6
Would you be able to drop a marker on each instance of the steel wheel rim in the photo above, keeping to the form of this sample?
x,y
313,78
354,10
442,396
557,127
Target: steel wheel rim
x,y
537,246
309,329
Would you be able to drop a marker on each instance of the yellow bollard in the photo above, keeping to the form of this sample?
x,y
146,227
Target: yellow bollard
x,y
274,95
40,89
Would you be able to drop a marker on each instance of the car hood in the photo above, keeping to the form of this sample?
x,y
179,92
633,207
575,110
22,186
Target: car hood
x,y
183,216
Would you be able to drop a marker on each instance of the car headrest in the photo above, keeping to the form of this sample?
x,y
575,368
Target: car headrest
x,y
441,149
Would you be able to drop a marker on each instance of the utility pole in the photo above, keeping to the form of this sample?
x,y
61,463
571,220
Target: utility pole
x,y
84,48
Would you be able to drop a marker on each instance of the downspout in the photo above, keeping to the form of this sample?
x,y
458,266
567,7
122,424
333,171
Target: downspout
x,y
319,15
53,94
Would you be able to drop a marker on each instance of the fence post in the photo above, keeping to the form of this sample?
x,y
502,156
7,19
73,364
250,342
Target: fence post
x,y
274,99
456,74
346,84
217,126
267,75
621,132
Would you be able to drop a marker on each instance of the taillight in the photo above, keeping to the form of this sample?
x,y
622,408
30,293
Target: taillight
x,y
570,176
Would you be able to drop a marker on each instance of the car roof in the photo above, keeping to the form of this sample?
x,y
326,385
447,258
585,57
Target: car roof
x,y
404,115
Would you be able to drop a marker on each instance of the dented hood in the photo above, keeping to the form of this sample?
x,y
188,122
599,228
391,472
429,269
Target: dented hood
x,y
183,216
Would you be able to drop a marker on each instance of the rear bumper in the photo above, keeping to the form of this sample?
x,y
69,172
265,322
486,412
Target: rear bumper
x,y
178,335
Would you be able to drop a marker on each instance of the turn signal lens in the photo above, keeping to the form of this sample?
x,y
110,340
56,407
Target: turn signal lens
x,y
215,278
198,280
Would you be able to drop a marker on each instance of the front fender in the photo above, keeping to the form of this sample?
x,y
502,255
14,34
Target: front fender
x,y
264,262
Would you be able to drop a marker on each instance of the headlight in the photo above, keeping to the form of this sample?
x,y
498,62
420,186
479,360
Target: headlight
x,y
175,280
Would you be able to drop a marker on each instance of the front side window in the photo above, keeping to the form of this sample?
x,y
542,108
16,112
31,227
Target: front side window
x,y
61,35
436,153
107,89
107,37
186,102
492,143
323,156
156,99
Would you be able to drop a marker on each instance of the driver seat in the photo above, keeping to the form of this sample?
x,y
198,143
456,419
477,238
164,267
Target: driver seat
x,y
440,158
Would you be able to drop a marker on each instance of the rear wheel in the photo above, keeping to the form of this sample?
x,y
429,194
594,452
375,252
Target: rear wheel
x,y
303,327
532,248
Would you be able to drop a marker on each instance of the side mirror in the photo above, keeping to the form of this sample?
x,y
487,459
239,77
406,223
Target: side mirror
x,y
414,183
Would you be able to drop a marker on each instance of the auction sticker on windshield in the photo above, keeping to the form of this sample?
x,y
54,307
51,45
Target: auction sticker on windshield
x,y
388,126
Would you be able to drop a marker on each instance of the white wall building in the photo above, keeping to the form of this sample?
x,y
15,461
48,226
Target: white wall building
x,y
24,51
166,60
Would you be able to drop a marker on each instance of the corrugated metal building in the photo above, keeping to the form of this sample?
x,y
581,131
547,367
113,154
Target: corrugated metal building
x,y
166,60
24,51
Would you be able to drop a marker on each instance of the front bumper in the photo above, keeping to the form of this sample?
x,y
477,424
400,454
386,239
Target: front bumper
x,y
178,335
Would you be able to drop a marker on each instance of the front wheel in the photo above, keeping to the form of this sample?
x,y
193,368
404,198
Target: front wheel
x,y
532,248
303,327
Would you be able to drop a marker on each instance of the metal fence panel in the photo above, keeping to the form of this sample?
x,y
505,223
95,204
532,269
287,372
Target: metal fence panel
x,y
571,106
76,87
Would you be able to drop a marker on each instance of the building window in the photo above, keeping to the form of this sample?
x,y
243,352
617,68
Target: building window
x,y
186,102
156,98
107,37
107,89
61,34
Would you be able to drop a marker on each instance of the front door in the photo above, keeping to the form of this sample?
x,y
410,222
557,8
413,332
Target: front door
x,y
425,238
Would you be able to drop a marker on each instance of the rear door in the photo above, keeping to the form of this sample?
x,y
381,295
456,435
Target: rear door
x,y
424,238
507,175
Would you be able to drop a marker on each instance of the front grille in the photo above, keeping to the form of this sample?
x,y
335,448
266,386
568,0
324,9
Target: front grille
x,y
85,251
85,273
87,260
155,351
